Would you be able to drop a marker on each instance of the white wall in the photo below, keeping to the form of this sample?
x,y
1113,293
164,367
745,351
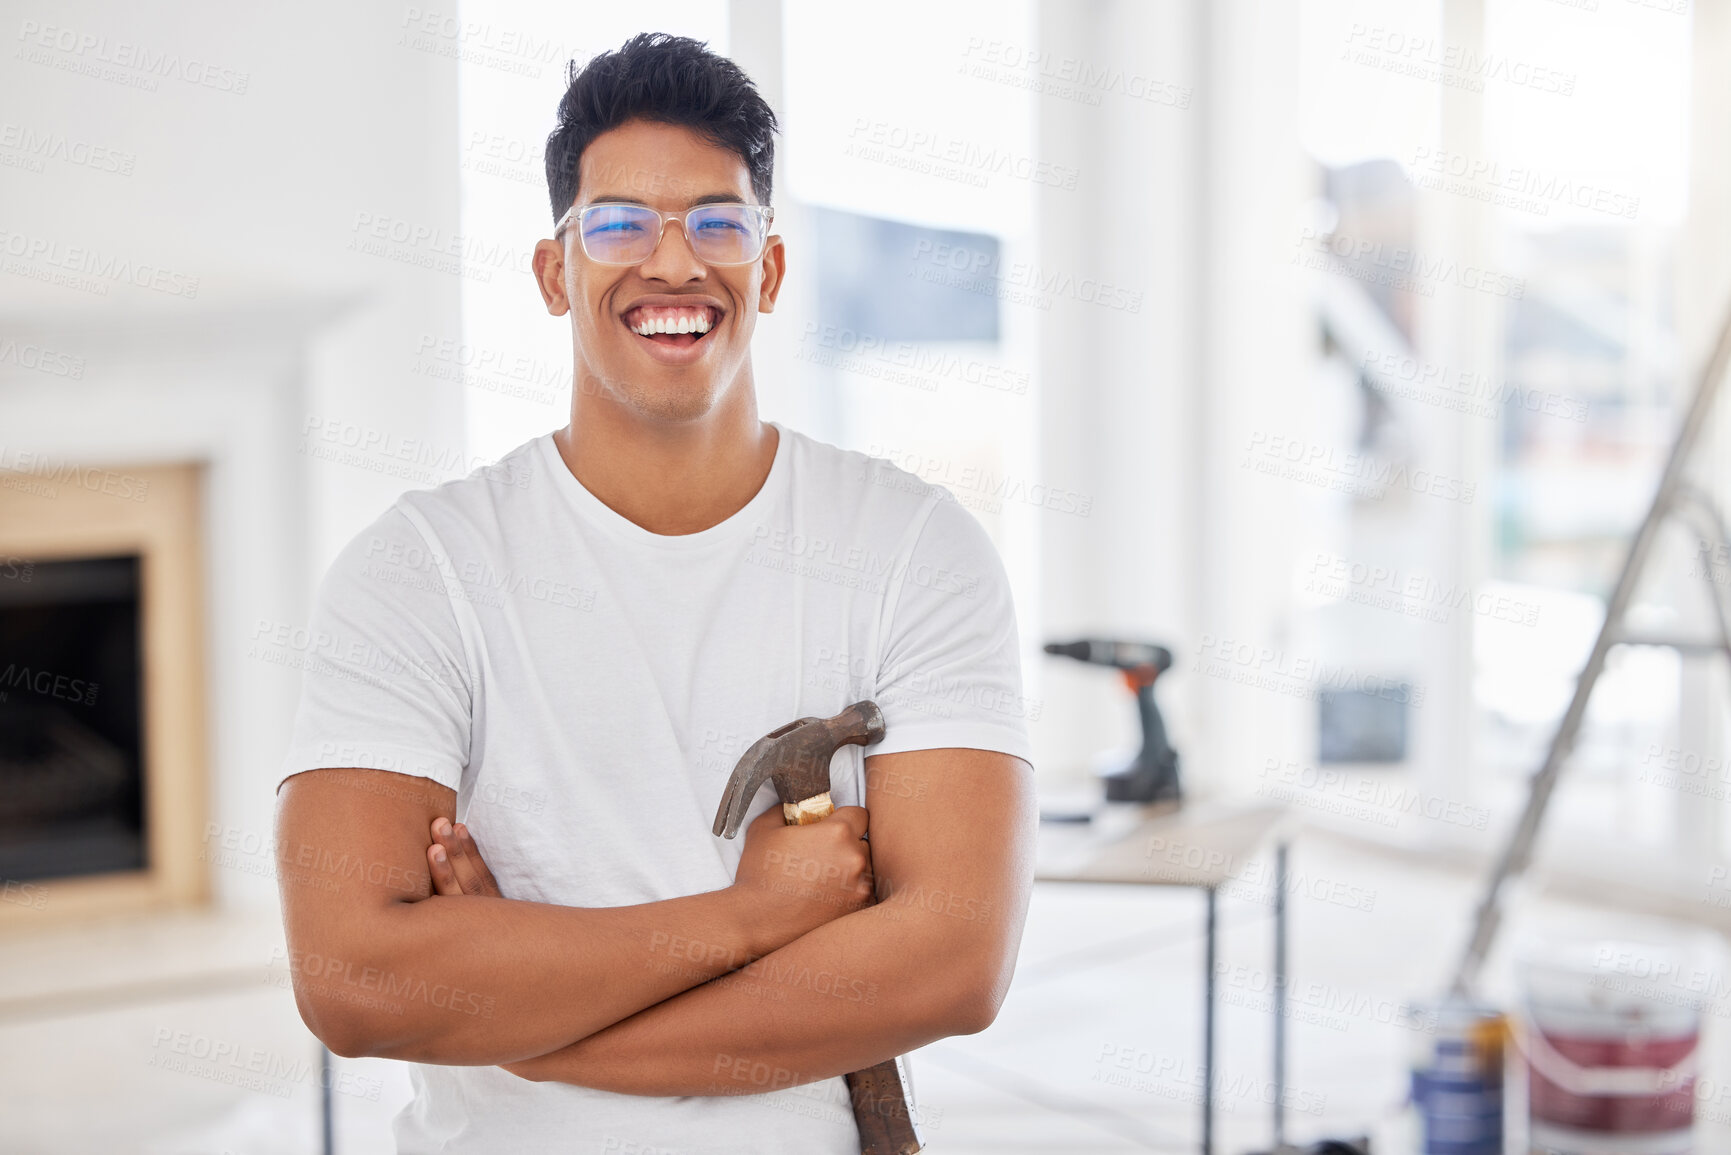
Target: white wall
x,y
319,118
1191,200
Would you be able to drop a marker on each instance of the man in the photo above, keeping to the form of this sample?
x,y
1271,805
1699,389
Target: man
x,y
569,650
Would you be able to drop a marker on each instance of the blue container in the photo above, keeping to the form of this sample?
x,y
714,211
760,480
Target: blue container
x,y
1457,1078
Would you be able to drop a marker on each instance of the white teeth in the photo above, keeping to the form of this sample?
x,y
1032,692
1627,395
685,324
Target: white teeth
x,y
686,323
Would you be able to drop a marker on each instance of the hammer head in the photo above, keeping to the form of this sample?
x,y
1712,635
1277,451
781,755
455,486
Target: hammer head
x,y
796,759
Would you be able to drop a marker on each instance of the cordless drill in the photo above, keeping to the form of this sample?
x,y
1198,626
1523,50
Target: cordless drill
x,y
1152,776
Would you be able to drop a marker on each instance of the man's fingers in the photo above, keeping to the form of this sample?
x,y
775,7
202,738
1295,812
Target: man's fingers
x,y
461,862
472,853
853,817
465,867
445,840
439,866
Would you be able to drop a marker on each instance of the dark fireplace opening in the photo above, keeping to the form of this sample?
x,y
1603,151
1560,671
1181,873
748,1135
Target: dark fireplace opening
x,y
71,749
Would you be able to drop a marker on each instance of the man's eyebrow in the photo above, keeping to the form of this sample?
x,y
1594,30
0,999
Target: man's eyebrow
x,y
729,198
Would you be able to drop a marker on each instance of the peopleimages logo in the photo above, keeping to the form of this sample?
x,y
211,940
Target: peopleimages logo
x,y
1451,65
972,480
1361,475
88,270
1410,594
386,451
34,146
517,51
1515,186
45,474
25,894
1463,391
1359,796
89,54
1267,668
1172,1077
48,684
42,360
902,362
1397,266
1066,77
980,271
950,158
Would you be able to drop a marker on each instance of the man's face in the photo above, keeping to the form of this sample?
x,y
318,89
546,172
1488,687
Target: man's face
x,y
664,377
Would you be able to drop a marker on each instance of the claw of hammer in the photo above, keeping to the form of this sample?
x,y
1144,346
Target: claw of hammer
x,y
796,759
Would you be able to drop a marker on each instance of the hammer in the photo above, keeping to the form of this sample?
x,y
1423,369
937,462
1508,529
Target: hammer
x,y
796,759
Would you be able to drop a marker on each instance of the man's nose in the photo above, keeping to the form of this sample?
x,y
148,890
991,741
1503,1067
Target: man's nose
x,y
672,261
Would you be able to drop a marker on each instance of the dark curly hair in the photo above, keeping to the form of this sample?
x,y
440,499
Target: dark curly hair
x,y
669,79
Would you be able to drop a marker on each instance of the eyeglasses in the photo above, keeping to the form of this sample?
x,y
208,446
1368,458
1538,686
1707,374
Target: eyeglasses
x,y
626,234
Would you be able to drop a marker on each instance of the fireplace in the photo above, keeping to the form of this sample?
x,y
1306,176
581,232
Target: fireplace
x,y
71,759
102,777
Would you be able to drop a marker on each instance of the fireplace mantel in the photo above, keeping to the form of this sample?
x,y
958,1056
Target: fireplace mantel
x,y
207,403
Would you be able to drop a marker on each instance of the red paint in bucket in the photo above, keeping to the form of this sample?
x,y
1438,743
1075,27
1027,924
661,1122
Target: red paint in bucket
x,y
1610,1036
1616,1114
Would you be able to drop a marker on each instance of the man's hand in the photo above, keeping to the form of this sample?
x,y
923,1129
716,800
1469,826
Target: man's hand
x,y
806,875
454,861
800,876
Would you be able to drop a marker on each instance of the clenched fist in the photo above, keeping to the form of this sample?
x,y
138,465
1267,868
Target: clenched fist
x,y
807,875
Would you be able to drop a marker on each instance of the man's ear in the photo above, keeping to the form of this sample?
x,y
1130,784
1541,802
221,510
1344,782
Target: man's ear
x,y
774,274
549,265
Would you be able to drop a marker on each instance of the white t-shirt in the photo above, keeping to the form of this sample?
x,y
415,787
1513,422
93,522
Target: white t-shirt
x,y
586,687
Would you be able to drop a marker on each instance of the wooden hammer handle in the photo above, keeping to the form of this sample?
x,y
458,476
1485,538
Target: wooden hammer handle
x,y
880,1108
880,1101
813,809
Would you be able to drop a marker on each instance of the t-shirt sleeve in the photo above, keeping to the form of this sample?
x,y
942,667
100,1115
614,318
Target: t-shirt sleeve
x,y
385,683
951,671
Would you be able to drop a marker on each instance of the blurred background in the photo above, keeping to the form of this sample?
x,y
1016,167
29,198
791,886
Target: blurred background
x,y
1336,346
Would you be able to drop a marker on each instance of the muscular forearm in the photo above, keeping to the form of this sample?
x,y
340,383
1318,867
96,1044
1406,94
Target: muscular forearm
x,y
489,980
849,994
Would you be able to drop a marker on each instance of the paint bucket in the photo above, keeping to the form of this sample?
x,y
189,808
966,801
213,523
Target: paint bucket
x,y
1610,1035
1457,1077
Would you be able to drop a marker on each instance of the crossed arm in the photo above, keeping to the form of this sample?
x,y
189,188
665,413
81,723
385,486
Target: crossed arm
x,y
650,999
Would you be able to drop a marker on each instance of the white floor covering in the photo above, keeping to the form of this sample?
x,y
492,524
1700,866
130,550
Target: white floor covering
x,y
1097,1048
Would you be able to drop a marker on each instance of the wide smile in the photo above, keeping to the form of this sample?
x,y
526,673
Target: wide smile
x,y
673,335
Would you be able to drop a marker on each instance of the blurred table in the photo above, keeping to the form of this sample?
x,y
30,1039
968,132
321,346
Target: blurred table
x,y
1201,845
